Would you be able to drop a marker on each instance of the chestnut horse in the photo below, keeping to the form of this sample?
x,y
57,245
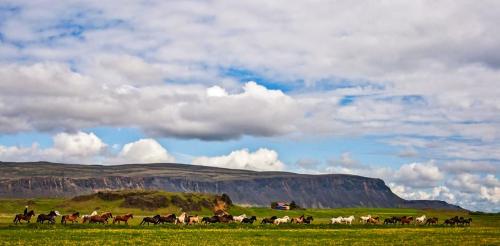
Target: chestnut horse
x,y
27,217
123,218
73,218
406,220
103,218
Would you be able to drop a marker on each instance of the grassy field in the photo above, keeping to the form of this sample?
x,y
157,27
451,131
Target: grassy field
x,y
485,229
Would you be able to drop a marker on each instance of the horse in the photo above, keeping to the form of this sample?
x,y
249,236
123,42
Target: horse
x,y
349,219
239,218
170,218
193,220
210,220
103,218
467,221
249,220
27,217
364,219
268,220
374,220
420,220
299,220
50,217
226,218
431,221
148,220
86,217
123,218
72,217
182,218
337,220
449,222
406,220
285,219
308,220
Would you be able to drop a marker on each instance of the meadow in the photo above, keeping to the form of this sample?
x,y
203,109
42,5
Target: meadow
x,y
485,229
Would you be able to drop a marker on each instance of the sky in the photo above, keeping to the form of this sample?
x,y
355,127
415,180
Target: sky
x,y
408,92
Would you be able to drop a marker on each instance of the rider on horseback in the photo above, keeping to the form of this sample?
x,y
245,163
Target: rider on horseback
x,y
25,210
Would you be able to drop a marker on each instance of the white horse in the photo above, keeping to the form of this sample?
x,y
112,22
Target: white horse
x,y
86,217
364,219
337,220
239,218
181,219
347,220
285,219
420,220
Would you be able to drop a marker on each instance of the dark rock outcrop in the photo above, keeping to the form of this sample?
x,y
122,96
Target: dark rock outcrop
x,y
42,179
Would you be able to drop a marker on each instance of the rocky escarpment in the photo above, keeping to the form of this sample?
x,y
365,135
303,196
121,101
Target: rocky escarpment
x,y
41,179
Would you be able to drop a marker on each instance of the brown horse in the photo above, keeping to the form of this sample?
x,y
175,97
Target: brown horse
x,y
431,221
72,217
27,217
103,218
123,218
406,220
374,220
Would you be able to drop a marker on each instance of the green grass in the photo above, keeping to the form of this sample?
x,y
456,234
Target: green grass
x,y
485,229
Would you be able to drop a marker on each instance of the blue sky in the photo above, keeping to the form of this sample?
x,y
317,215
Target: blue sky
x,y
373,89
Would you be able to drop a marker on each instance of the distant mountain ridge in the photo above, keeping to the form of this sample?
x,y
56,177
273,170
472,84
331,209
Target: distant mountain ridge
x,y
45,179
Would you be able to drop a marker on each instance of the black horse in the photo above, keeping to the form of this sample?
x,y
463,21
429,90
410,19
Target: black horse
x,y
249,220
211,220
269,220
49,217
148,220
171,218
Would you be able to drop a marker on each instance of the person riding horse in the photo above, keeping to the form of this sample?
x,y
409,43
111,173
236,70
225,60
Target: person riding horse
x,y
25,210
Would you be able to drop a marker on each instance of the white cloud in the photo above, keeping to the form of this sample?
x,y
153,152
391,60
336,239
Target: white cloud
x,y
262,160
419,174
79,147
143,151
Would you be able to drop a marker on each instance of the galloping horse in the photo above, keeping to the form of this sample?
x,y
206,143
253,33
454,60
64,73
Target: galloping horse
x,y
349,219
420,220
269,220
210,220
123,218
406,220
86,217
249,220
308,220
182,218
103,218
148,220
193,220
50,217
337,220
170,218
285,219
73,218
27,217
431,221
299,220
226,218
364,219
239,218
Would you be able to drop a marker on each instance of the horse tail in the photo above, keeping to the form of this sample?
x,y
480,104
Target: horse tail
x,y
15,219
63,219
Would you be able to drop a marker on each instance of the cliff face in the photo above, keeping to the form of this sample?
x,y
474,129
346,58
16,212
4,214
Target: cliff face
x,y
25,180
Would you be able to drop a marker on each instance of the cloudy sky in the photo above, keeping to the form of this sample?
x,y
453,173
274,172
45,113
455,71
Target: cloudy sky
x,y
407,92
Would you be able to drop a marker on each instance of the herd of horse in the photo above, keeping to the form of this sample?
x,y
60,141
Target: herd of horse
x,y
225,217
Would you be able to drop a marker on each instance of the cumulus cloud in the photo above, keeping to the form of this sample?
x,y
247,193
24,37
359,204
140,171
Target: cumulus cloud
x,y
67,147
261,160
87,148
143,151
419,174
